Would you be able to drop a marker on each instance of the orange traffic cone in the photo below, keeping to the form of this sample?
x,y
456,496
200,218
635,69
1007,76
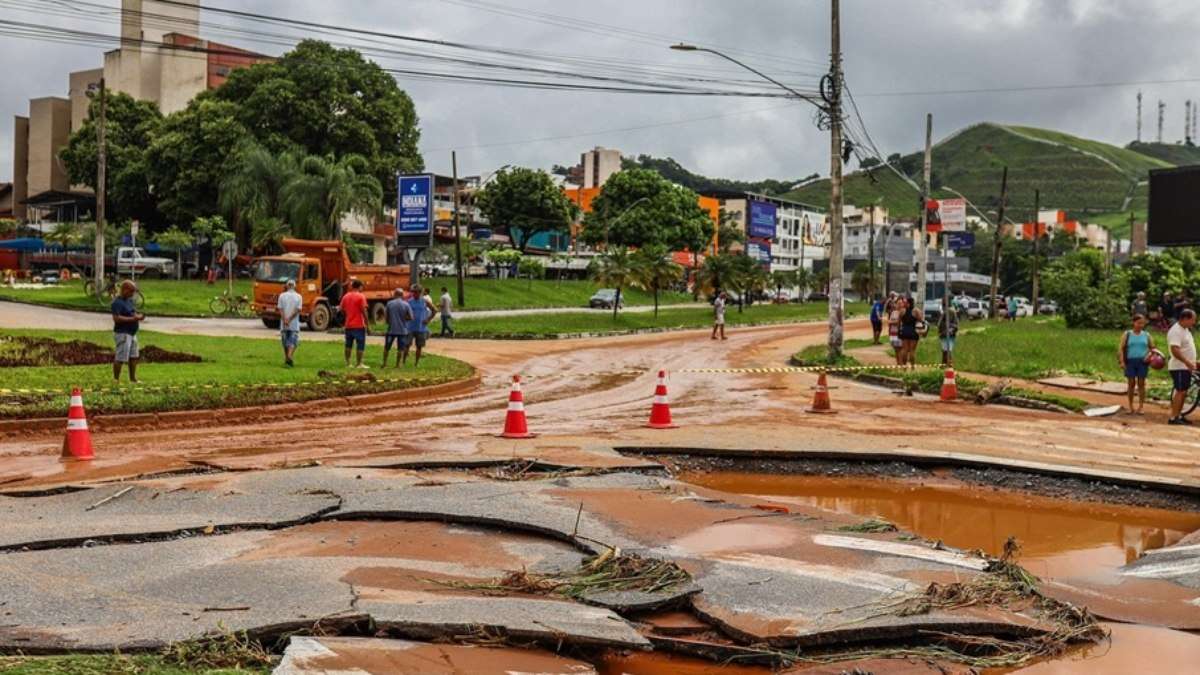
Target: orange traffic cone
x,y
514,424
949,387
78,442
660,411
821,403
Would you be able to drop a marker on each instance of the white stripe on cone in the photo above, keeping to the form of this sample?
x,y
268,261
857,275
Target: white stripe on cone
x,y
77,425
660,400
76,401
516,406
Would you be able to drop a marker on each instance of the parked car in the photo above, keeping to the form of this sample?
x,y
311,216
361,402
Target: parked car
x,y
974,309
784,296
604,299
1047,307
933,311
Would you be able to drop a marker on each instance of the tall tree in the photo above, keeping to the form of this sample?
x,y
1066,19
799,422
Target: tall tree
x,y
654,270
177,240
638,207
326,190
253,191
328,101
130,125
527,202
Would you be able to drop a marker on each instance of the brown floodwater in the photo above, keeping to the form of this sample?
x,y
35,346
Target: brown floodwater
x,y
1059,538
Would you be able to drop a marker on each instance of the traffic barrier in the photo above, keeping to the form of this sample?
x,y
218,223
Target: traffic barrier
x,y
77,444
515,425
821,403
660,410
949,387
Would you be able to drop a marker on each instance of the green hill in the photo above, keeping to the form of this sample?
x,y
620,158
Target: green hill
x,y
671,170
1177,154
1086,178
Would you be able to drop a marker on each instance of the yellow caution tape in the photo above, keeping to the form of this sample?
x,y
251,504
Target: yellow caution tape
x,y
803,369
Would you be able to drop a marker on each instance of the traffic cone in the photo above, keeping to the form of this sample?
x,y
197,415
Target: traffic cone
x,y
949,387
821,403
78,442
514,424
660,411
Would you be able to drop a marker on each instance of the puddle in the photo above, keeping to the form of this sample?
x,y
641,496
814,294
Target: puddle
x,y
1059,538
1134,649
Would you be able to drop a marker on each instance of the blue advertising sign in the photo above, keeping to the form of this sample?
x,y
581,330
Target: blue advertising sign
x,y
762,220
957,241
414,214
760,250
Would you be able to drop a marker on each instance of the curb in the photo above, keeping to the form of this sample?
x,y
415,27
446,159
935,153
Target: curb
x,y
461,335
323,406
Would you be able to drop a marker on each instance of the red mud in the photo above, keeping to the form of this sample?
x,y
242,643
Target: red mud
x,y
1133,650
389,657
22,352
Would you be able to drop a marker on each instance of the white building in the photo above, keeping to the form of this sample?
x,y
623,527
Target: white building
x,y
800,232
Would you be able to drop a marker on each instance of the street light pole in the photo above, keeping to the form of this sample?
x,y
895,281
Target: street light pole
x,y
101,180
836,300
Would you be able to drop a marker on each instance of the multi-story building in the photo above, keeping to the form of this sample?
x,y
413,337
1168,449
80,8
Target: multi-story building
x,y
598,165
783,234
161,59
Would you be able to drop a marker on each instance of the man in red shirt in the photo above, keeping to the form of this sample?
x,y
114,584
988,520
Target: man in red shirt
x,y
354,311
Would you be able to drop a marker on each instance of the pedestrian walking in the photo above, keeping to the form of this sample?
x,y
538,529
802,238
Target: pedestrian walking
x,y
894,309
399,316
877,317
1182,363
719,315
911,322
354,321
288,305
948,332
1134,357
1139,305
1012,308
126,321
445,305
1166,311
423,312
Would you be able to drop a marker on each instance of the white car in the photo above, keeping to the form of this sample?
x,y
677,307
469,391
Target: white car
x,y
973,309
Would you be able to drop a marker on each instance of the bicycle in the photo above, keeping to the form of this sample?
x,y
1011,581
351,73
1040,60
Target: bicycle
x,y
109,291
1192,400
227,304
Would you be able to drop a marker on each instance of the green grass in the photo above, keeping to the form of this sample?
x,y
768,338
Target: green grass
x,y
164,297
566,323
1172,153
242,365
541,293
1133,163
110,664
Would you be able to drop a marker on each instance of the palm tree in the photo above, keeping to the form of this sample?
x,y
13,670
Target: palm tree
x,y
717,273
267,233
782,278
326,189
615,268
804,281
255,190
655,271
757,281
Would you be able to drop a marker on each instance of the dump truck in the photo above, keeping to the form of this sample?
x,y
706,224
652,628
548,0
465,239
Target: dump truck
x,y
322,272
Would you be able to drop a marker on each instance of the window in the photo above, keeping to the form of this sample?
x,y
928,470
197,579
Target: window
x,y
312,272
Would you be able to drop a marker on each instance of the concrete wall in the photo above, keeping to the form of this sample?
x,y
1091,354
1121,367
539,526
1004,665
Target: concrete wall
x,y
20,165
49,127
150,20
81,80
182,75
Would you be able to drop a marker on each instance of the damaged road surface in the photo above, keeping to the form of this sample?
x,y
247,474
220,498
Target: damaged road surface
x,y
560,561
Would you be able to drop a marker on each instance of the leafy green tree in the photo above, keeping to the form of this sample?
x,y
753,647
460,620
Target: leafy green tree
x,y
254,190
505,258
860,280
211,229
527,202
267,235
781,279
717,274
65,234
325,190
655,270
531,268
177,240
328,101
755,282
1088,297
804,281
615,268
729,231
638,207
130,126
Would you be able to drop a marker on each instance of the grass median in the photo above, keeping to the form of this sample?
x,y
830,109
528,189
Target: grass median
x,y
231,372
164,297
483,294
599,323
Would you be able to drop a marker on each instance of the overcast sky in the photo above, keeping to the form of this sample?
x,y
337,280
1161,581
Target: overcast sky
x,y
890,46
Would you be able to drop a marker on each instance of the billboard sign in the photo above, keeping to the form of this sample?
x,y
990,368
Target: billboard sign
x,y
958,241
949,215
762,220
1174,218
414,213
760,250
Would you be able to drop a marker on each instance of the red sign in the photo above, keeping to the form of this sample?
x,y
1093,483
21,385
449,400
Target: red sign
x,y
933,216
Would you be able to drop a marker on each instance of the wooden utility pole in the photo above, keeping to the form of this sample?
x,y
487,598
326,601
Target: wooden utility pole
x,y
992,312
101,180
871,258
836,306
1037,236
458,263
923,245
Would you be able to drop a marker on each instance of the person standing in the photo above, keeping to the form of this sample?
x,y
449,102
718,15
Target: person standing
x,y
354,313
1139,305
877,317
895,308
719,315
289,304
423,312
445,304
1182,363
1012,308
910,335
1134,356
947,332
399,316
126,321
1166,311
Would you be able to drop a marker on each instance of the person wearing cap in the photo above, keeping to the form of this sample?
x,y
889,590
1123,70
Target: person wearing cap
x,y
289,304
423,311
126,321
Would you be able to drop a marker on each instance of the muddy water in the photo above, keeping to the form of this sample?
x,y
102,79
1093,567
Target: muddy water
x,y
1058,537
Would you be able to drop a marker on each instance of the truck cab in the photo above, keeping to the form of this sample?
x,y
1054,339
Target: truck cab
x,y
271,275
132,260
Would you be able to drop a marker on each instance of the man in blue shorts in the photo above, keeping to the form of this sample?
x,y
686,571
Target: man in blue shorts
x,y
126,321
354,311
1182,362
399,315
422,313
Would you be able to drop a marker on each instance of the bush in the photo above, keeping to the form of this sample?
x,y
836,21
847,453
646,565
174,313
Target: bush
x,y
1086,297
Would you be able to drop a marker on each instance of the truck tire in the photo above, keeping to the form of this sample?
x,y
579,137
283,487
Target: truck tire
x,y
270,322
320,319
378,313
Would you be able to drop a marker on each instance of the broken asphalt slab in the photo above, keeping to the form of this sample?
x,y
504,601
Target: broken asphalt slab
x,y
367,656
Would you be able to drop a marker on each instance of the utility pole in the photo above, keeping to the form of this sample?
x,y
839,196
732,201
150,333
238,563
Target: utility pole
x,y
1139,117
1161,107
1187,122
996,246
871,258
101,180
458,266
836,307
1037,236
922,246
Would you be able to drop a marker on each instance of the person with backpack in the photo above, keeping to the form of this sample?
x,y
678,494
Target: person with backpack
x,y
1134,357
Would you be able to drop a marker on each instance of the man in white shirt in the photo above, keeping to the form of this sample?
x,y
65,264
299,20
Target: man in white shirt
x,y
445,304
289,305
719,315
1182,362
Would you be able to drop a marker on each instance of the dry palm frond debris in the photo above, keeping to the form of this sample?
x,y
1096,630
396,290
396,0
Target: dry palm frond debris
x,y
610,571
871,525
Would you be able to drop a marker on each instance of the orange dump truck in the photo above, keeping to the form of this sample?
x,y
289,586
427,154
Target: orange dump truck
x,y
322,272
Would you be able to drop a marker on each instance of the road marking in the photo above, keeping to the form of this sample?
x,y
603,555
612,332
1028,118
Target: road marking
x,y
902,550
